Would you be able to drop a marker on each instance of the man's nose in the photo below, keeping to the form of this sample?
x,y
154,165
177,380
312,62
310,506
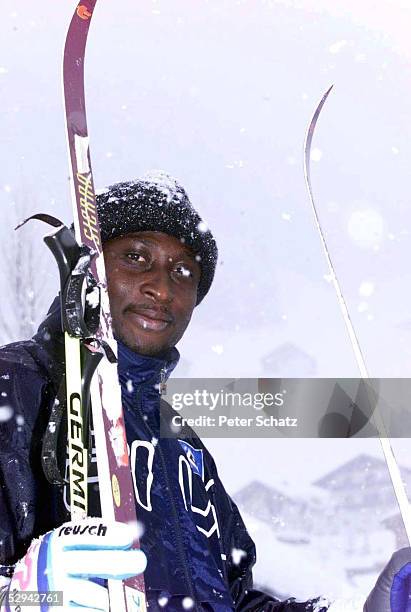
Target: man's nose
x,y
157,286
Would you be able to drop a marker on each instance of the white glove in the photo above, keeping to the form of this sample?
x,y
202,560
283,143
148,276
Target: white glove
x,y
64,559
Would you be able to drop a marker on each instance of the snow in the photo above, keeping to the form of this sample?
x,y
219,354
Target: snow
x,y
5,413
366,227
187,603
137,527
362,307
322,603
93,298
337,46
366,289
342,605
316,154
164,182
321,567
162,601
237,554
202,226
52,427
218,348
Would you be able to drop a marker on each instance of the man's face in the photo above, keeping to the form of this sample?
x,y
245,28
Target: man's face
x,y
152,284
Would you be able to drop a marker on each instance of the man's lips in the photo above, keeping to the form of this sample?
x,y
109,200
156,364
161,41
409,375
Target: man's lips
x,y
152,320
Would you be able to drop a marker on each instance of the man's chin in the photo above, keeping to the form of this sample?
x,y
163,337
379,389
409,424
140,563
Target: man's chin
x,y
144,347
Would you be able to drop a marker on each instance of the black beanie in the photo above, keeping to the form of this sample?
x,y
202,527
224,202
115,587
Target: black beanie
x,y
158,203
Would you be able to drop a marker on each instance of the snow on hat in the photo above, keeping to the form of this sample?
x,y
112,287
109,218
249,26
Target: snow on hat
x,y
157,202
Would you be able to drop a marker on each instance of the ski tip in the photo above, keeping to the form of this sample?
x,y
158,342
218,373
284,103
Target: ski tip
x,y
53,221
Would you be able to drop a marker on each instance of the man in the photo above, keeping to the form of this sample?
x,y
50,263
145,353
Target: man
x,y
160,260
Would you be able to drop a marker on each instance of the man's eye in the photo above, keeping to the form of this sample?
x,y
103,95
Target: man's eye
x,y
184,272
135,257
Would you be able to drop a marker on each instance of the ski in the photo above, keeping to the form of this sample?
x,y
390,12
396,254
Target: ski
x,y
392,466
115,481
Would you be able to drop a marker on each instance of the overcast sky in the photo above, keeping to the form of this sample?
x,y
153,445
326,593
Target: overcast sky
x,y
220,93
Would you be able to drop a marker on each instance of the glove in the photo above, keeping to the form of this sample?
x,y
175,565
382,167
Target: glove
x,y
392,592
74,559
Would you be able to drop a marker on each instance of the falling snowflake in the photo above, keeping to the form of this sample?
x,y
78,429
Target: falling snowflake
x,y
316,154
202,226
362,307
162,601
366,288
137,527
187,603
218,348
237,554
5,413
366,227
337,46
52,427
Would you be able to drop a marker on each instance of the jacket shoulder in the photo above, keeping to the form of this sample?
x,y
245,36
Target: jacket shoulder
x,y
24,384
20,354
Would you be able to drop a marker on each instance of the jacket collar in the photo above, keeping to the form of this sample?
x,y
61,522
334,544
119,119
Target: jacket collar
x,y
143,369
140,369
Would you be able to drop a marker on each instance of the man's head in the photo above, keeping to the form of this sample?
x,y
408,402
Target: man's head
x,y
160,260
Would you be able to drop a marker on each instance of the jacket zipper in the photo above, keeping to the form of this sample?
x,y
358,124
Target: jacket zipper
x,y
177,531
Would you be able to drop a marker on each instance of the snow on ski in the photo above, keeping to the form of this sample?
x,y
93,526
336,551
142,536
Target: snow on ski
x,y
393,469
115,482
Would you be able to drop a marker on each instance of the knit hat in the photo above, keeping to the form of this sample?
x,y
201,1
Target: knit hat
x,y
157,202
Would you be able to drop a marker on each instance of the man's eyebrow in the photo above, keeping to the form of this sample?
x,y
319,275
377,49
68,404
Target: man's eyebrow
x,y
184,252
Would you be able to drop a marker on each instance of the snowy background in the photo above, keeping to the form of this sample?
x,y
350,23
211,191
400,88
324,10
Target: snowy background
x,y
219,93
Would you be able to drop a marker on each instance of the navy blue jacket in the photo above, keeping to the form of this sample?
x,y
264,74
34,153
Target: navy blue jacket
x,y
191,525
